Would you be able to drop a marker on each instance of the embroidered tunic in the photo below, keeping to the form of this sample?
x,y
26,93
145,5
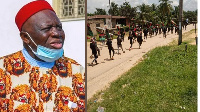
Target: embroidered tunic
x,y
28,88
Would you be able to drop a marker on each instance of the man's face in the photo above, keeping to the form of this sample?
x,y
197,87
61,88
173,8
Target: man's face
x,y
45,29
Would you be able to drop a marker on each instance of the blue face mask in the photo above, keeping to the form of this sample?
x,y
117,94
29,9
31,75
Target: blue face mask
x,y
46,54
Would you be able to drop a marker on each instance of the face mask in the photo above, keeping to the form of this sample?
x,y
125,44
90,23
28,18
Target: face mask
x,y
46,54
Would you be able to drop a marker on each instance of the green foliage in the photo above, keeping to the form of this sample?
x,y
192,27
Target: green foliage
x,y
153,7
89,31
114,10
175,14
165,7
100,11
127,11
144,12
126,28
90,14
191,15
165,81
163,12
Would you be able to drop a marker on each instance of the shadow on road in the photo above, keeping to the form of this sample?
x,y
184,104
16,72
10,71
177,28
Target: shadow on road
x,y
108,59
90,64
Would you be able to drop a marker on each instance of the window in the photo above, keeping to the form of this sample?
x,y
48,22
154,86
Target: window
x,y
81,8
68,10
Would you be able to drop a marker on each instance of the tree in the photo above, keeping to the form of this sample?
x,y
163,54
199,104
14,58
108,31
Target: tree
x,y
147,13
89,31
90,14
176,11
191,15
114,10
175,14
142,12
127,11
165,7
100,11
153,7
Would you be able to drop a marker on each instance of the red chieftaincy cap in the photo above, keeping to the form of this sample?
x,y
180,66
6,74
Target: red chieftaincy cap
x,y
30,9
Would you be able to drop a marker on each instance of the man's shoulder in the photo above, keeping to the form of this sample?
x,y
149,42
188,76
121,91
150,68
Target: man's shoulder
x,y
15,54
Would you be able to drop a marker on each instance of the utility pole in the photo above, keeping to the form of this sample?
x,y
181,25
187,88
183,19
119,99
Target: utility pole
x,y
180,21
110,14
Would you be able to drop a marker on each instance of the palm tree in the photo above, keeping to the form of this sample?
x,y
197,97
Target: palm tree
x,y
126,10
153,6
100,11
154,14
175,14
176,11
114,10
165,7
143,13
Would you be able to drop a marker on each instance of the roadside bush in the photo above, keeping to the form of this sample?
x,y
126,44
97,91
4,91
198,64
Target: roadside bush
x,y
126,28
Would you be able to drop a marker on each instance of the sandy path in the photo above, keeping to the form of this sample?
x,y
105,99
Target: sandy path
x,y
100,76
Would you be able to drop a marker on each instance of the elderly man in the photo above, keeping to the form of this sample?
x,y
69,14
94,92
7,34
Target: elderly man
x,y
39,78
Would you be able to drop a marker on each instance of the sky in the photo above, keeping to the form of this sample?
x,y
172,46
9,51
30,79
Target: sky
x,y
190,5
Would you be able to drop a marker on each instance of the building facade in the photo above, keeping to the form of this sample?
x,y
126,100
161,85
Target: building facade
x,y
106,22
68,10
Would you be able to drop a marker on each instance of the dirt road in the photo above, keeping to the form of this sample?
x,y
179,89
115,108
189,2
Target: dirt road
x,y
99,76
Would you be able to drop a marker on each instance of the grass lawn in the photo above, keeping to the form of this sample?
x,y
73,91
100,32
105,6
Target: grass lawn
x,y
165,81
